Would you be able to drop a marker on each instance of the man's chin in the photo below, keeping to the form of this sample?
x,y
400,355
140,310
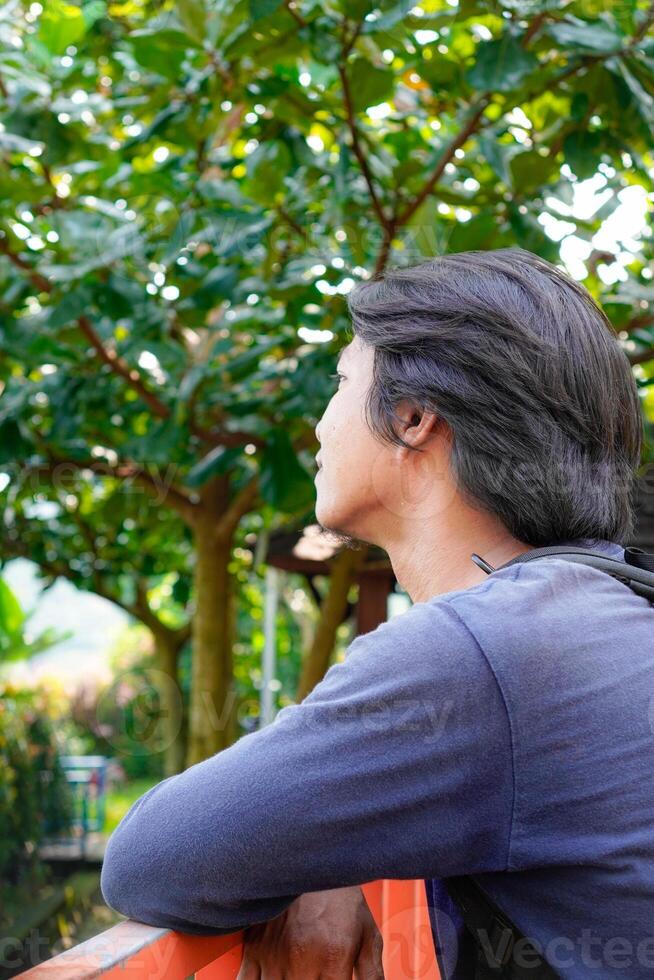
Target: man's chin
x,y
328,523
339,537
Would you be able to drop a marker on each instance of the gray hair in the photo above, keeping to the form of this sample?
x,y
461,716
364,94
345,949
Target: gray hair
x,y
529,375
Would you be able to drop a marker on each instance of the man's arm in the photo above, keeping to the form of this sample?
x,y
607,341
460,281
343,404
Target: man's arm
x,y
397,765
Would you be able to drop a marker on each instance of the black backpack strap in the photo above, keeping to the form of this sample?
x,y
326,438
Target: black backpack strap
x,y
637,571
491,937
639,558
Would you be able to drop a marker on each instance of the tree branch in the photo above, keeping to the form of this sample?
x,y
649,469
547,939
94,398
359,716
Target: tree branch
x,y
240,505
637,322
40,282
446,156
173,496
470,126
152,621
534,27
644,26
356,145
291,7
120,367
642,357
59,569
135,381
349,44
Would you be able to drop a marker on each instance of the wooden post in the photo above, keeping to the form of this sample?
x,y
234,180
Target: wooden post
x,y
374,589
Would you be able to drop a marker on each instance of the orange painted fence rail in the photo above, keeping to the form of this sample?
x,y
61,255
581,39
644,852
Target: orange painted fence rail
x,y
133,951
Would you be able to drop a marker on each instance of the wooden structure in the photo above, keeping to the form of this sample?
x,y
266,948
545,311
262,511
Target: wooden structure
x,y
307,551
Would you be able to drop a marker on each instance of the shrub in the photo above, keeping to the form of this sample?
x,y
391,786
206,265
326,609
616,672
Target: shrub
x,y
34,794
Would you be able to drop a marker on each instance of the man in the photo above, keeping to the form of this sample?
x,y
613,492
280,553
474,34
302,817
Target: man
x,y
503,726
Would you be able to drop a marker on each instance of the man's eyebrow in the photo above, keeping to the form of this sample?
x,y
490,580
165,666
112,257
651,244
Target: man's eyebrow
x,y
341,356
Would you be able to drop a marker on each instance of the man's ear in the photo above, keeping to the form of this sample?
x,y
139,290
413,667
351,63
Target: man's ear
x,y
422,426
419,425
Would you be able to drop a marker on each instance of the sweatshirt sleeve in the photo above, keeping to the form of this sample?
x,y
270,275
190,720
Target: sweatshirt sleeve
x,y
397,765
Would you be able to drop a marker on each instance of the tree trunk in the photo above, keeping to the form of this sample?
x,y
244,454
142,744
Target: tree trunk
x,y
167,647
343,571
212,707
233,727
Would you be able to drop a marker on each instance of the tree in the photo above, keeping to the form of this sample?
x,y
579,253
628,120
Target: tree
x,y
190,190
100,537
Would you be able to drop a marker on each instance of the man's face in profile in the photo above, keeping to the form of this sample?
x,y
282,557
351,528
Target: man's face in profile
x,y
366,488
348,448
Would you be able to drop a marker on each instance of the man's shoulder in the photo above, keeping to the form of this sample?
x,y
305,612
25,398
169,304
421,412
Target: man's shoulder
x,y
516,619
428,644
557,620
516,594
542,587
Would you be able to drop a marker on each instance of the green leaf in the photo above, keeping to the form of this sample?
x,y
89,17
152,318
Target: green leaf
x,y
644,102
440,71
13,645
325,45
529,234
530,170
369,85
179,236
240,365
93,11
120,243
73,305
263,8
219,460
582,152
233,232
12,617
217,285
161,51
481,232
579,106
19,144
498,156
501,65
181,591
285,484
268,165
62,24
157,125
193,15
357,9
429,232
598,36
221,190
12,445
395,14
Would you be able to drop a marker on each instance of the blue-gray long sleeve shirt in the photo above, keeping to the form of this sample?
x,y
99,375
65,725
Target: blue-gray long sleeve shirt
x,y
504,731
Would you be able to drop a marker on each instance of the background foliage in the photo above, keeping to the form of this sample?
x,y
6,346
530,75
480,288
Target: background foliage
x,y
34,793
188,192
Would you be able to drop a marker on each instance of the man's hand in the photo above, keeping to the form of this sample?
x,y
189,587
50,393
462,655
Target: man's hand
x,y
321,936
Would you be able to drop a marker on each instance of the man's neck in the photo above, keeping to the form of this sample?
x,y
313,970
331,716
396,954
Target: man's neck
x,y
435,561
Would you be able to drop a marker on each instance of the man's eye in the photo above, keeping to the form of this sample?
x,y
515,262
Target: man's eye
x,y
341,377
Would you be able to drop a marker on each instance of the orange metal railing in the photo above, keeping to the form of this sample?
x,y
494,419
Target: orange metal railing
x,y
133,951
